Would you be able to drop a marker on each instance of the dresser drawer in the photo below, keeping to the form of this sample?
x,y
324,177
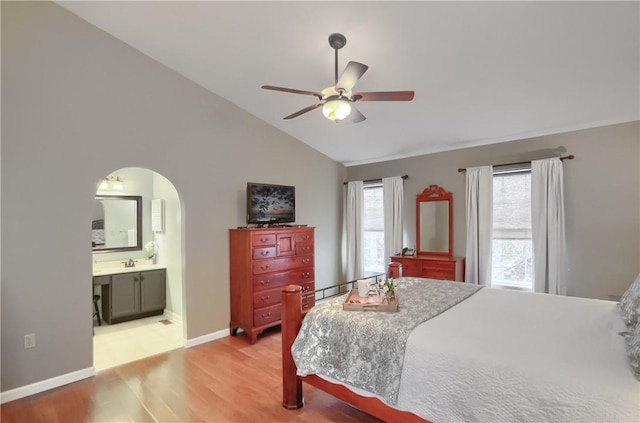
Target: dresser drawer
x,y
308,302
301,276
275,280
263,253
431,267
274,265
267,315
306,248
439,270
304,260
304,236
267,298
259,240
280,264
307,288
410,267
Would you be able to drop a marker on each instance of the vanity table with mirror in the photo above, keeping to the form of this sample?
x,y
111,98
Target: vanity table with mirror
x,y
434,240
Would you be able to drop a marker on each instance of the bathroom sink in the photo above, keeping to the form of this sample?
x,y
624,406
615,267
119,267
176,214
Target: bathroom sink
x,y
147,266
110,270
122,269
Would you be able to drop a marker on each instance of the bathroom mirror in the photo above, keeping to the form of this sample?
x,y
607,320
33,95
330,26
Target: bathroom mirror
x,y
116,223
434,222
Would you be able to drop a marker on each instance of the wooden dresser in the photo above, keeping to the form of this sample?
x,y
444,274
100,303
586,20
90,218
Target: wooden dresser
x,y
432,267
262,261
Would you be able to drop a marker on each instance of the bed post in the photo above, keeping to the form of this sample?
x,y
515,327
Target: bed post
x,y
291,322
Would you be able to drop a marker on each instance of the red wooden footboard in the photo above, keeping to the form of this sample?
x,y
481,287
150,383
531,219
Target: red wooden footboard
x,y
292,384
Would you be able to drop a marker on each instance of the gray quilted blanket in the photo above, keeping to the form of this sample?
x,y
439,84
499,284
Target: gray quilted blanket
x,y
366,349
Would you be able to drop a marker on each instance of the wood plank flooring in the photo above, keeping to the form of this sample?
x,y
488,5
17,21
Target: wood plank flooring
x,y
227,380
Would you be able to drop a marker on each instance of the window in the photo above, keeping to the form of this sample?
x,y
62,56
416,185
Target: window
x,y
512,263
373,228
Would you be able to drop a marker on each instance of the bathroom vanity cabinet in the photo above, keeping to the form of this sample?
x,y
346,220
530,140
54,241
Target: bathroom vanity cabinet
x,y
132,295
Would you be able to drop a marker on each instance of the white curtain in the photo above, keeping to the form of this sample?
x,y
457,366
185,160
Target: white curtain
x,y
479,225
393,204
355,265
547,225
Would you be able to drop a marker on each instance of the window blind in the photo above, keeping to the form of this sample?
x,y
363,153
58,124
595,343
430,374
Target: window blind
x,y
512,206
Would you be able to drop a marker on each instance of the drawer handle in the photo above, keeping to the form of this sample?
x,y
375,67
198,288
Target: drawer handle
x,y
266,316
264,240
265,282
265,298
265,253
305,260
305,305
305,289
265,267
305,274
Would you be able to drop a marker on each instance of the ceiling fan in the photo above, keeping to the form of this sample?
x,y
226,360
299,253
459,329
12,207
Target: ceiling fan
x,y
336,101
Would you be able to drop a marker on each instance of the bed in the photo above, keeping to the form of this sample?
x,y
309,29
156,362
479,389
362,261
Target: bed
x,y
494,355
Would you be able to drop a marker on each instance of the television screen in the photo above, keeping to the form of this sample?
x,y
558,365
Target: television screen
x,y
267,203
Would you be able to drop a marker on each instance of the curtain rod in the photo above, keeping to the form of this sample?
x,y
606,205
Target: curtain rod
x,y
569,157
368,181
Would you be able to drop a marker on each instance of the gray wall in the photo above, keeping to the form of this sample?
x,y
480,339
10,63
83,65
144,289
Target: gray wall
x,y
77,104
602,201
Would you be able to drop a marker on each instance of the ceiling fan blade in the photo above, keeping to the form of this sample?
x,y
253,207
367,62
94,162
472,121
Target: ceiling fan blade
x,y
350,76
384,96
356,116
303,111
291,90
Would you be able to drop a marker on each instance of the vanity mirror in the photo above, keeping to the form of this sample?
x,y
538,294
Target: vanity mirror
x,y
116,223
434,240
434,222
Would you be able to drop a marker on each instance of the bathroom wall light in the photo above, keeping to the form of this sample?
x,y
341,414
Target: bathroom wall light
x,y
118,184
112,184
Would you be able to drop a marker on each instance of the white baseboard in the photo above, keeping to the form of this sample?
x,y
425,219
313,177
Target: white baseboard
x,y
206,338
176,319
45,385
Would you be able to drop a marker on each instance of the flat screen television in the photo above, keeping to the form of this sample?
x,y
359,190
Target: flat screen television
x,y
270,204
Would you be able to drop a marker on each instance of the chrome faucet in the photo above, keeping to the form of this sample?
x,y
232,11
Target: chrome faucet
x,y
130,263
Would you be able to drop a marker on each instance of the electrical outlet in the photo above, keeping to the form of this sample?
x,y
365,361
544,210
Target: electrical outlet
x,y
30,341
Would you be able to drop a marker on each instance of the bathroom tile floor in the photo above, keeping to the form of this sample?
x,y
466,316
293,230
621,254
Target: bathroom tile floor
x,y
121,343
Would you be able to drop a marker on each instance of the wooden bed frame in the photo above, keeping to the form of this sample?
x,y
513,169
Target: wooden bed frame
x,y
292,397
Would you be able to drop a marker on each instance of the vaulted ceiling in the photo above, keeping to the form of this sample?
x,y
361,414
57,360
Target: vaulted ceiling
x,y
482,72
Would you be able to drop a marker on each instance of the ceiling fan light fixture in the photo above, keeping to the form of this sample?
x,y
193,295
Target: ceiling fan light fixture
x,y
336,100
337,109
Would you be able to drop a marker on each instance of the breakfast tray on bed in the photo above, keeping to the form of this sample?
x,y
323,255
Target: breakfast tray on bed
x,y
372,303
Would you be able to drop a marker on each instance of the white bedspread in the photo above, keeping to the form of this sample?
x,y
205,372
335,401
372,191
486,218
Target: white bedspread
x,y
507,356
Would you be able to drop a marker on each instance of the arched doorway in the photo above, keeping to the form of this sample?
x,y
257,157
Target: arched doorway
x,y
137,317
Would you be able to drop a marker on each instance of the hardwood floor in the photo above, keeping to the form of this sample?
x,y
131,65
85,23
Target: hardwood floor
x,y
227,380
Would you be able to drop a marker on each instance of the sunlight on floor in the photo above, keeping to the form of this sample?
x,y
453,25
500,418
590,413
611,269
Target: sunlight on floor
x,y
121,343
